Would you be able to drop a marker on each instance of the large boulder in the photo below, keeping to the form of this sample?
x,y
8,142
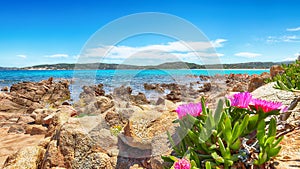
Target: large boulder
x,y
79,142
287,98
27,157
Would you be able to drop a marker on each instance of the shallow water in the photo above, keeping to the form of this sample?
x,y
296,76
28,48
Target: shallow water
x,y
115,78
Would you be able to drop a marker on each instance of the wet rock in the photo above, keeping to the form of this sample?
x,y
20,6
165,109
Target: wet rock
x,y
205,88
156,87
140,98
92,91
276,69
5,89
28,157
174,96
122,93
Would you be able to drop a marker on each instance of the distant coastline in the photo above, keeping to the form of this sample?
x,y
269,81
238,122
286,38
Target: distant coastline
x,y
169,65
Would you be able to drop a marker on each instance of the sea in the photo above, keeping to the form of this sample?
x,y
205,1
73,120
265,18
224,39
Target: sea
x,y
115,78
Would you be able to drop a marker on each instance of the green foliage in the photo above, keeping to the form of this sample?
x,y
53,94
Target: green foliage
x,y
218,139
290,79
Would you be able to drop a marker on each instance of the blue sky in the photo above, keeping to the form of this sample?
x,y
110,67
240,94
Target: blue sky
x,y
55,31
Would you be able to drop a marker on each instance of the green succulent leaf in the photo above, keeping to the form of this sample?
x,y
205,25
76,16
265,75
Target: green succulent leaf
x,y
236,145
261,132
218,158
207,165
274,151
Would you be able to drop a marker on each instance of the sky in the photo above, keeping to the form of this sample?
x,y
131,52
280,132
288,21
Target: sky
x,y
36,32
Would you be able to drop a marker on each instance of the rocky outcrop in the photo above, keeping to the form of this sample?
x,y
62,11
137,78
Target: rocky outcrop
x,y
25,97
276,69
92,91
245,82
125,94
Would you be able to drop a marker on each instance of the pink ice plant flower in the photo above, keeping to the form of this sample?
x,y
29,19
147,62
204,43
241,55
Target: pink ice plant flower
x,y
241,100
267,106
194,109
182,164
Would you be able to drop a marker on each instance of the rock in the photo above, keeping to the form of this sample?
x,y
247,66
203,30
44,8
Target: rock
x,y
174,96
81,143
35,129
25,97
205,88
114,119
27,157
92,91
276,69
143,128
40,114
10,106
122,93
97,160
52,157
18,129
25,119
255,83
156,87
140,98
60,117
5,89
268,92
45,142
103,103
160,101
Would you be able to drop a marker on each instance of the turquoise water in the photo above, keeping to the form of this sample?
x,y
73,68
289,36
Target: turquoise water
x,y
114,78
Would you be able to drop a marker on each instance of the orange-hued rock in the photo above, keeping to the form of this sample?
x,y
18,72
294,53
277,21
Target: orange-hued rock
x,y
289,154
276,69
11,143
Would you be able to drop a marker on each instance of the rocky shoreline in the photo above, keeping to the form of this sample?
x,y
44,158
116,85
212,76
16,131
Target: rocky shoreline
x,y
116,130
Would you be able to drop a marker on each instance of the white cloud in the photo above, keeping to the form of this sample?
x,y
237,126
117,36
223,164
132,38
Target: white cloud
x,y
22,56
218,42
247,54
293,29
57,56
290,59
285,38
177,47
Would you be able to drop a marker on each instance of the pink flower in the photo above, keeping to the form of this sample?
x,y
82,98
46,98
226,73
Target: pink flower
x,y
194,109
240,100
182,164
268,106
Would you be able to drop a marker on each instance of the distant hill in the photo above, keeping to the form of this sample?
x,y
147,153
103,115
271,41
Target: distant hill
x,y
8,68
169,65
